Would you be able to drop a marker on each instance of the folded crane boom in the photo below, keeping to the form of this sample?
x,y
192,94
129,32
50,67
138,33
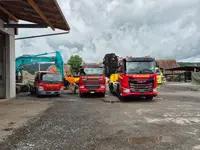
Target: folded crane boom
x,y
32,59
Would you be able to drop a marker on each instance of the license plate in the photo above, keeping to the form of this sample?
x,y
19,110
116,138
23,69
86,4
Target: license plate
x,y
92,92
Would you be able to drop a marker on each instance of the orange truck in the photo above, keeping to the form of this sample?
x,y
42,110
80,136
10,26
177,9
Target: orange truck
x,y
48,83
92,79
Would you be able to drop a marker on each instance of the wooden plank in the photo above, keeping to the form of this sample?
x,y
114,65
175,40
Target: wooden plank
x,y
37,9
63,17
9,14
50,9
24,26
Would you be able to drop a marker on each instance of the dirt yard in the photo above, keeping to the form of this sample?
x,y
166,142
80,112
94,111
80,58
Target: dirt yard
x,y
16,113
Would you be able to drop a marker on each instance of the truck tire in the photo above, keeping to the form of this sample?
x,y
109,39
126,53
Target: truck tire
x,y
37,94
81,95
103,94
149,98
57,95
111,88
121,98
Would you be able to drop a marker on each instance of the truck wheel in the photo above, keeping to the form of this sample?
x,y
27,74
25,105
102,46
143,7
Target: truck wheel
x,y
149,98
33,91
103,94
111,88
121,98
81,95
37,94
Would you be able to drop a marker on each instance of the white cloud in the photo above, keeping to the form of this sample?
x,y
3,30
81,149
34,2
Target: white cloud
x,y
163,29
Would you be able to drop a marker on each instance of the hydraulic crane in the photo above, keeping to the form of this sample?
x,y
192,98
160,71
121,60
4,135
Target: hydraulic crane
x,y
31,59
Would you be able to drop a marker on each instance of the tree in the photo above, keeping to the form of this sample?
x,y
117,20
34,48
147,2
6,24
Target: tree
x,y
75,63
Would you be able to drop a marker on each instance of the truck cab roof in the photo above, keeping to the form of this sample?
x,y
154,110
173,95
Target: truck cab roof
x,y
92,65
140,59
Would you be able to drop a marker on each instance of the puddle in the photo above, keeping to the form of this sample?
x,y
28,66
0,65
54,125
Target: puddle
x,y
149,140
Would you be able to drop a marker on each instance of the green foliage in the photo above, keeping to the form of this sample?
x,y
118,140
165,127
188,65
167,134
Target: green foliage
x,y
183,64
75,63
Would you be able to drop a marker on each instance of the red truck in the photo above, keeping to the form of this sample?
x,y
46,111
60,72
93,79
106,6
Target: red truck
x,y
136,76
92,79
48,83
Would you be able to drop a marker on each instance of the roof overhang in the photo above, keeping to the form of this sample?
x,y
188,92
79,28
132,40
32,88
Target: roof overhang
x,y
44,13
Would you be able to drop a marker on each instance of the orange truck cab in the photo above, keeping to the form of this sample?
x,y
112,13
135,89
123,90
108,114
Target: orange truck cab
x,y
136,76
92,79
48,83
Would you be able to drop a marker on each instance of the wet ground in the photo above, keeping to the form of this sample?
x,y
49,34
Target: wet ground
x,y
170,121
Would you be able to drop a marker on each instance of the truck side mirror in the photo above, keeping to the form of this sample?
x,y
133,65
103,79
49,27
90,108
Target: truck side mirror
x,y
157,71
157,65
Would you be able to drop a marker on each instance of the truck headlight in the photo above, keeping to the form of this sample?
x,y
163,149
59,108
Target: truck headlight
x,y
126,90
40,88
155,90
103,86
62,88
82,86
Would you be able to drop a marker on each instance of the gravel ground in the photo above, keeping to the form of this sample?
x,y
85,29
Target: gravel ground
x,y
16,113
167,122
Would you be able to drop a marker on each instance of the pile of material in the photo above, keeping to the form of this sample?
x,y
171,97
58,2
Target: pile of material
x,y
27,82
67,68
27,77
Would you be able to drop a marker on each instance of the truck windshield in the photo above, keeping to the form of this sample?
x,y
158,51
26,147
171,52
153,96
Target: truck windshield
x,y
53,78
93,71
140,67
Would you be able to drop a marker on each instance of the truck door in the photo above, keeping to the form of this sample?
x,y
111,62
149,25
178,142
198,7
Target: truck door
x,y
2,67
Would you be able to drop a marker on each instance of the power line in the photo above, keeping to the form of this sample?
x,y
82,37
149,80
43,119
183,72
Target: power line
x,y
29,37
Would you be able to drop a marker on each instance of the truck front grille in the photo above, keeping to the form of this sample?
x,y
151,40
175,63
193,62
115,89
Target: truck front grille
x,y
141,85
92,86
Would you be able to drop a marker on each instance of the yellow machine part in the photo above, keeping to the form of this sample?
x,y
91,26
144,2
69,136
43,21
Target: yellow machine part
x,y
70,79
159,78
114,77
76,79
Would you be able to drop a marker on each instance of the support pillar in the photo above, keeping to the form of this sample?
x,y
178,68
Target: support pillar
x,y
7,63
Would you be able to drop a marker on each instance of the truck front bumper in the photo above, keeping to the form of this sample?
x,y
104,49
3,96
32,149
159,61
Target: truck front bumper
x,y
99,90
49,92
128,92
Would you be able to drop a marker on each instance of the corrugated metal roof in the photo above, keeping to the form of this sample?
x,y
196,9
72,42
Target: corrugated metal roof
x,y
168,63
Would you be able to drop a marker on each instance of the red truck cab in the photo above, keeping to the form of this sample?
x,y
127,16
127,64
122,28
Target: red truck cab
x,y
136,77
48,83
92,79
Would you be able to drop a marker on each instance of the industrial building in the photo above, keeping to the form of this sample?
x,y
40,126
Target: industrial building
x,y
40,14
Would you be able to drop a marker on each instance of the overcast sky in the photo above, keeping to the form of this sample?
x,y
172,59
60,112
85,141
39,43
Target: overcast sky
x,y
164,29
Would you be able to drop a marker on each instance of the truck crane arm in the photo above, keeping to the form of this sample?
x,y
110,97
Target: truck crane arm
x,y
31,59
